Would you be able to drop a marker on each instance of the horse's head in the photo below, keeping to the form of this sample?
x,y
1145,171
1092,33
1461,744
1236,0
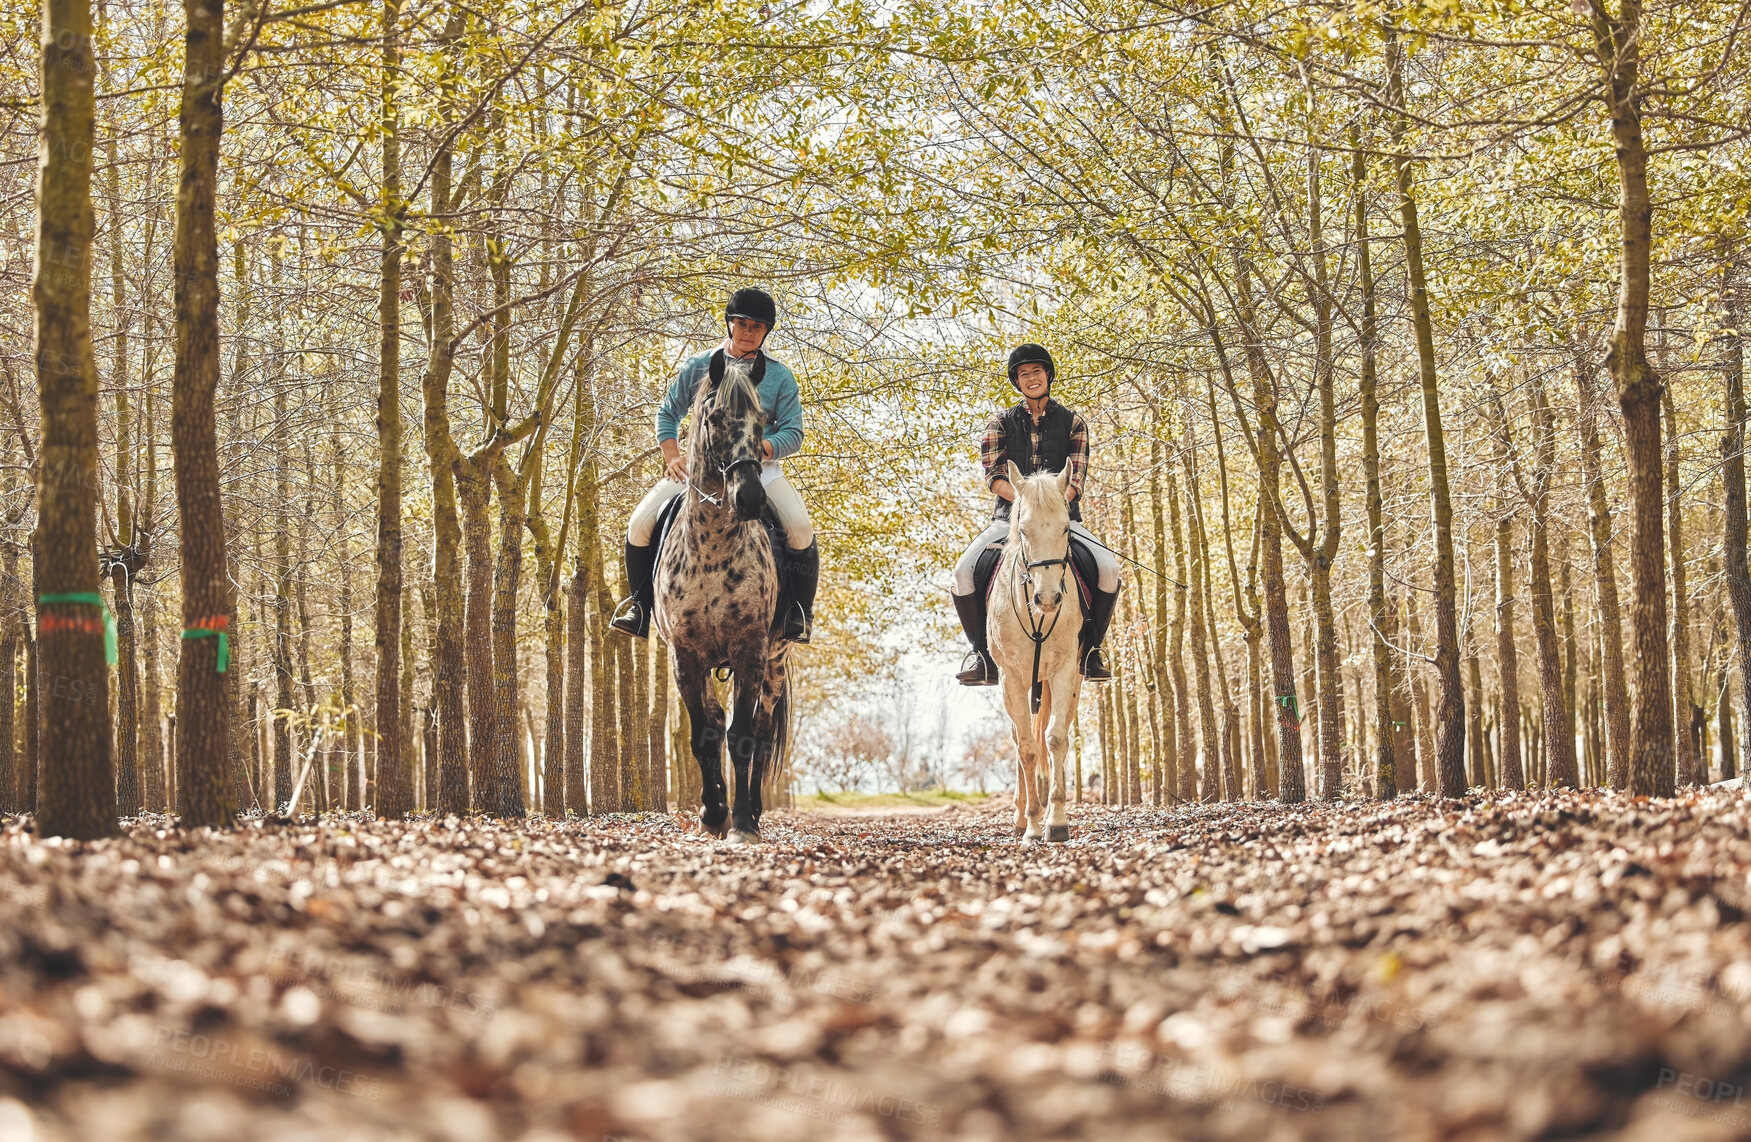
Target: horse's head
x,y
728,425
1040,521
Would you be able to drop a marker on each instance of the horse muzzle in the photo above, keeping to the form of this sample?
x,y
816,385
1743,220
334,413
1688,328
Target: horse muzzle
x,y
750,497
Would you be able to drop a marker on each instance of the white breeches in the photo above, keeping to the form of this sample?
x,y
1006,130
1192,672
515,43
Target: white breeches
x,y
799,531
1106,561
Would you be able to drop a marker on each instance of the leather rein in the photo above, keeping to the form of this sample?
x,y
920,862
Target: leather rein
x,y
1038,630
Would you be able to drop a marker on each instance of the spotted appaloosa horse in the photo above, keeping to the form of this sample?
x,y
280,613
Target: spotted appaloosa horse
x,y
1034,625
716,590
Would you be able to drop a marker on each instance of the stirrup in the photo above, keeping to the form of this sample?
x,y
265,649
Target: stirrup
x,y
983,672
630,618
1094,667
797,626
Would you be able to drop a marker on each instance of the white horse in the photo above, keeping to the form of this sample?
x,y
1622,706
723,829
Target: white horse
x,y
1034,625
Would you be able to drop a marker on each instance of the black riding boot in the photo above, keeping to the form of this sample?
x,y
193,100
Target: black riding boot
x,y
805,576
983,671
633,616
1094,632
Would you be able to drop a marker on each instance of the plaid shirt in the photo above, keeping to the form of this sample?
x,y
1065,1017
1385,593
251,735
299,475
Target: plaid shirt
x,y
994,451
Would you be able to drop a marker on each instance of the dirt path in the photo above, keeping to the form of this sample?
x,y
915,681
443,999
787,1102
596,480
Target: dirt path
x,y
1523,968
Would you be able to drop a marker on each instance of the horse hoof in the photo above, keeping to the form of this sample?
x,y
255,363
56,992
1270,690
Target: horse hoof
x,y
716,822
744,837
1018,831
1058,833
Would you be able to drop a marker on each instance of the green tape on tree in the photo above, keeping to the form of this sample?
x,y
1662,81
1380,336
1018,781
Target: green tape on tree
x,y
88,599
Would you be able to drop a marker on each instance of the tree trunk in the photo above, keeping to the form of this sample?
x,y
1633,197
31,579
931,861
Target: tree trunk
x,y
659,726
474,492
1559,734
1684,698
577,665
203,786
1380,613
127,562
1599,531
395,789
1618,47
1507,649
1738,564
1185,783
606,795
501,796
78,768
1450,720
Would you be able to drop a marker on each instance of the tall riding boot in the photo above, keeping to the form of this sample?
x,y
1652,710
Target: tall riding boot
x,y
983,671
1094,632
805,576
633,615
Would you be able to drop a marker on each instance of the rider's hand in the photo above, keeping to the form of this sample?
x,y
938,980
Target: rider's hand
x,y
676,469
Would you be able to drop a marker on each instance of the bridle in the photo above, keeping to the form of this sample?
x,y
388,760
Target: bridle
x,y
726,469
1038,629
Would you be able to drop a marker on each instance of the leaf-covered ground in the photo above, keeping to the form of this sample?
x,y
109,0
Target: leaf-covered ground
x,y
1534,966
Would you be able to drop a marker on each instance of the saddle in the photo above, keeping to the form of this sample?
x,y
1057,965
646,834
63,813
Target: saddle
x,y
1082,564
774,533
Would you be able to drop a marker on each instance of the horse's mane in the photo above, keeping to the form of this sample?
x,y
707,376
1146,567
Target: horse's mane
x,y
736,392
1040,491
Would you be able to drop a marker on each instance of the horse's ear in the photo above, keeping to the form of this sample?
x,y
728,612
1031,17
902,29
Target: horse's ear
x,y
1064,482
1013,474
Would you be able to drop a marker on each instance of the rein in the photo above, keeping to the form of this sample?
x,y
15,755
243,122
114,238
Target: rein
x,y
1038,630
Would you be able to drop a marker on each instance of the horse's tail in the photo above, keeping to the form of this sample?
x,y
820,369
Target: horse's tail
x,y
775,782
779,767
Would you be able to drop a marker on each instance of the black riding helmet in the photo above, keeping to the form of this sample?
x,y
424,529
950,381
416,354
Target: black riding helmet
x,y
754,304
1031,354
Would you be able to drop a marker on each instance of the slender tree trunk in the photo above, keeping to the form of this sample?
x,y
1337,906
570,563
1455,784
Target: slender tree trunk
x,y
1559,734
659,725
151,681
449,663
474,492
1450,721
1690,769
1380,613
395,789
1507,650
203,786
606,794
1604,578
1618,47
1735,530
130,559
1185,783
501,796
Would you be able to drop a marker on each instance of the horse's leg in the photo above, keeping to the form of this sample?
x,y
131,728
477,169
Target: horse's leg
x,y
746,751
1027,791
1058,745
766,730
1037,809
707,720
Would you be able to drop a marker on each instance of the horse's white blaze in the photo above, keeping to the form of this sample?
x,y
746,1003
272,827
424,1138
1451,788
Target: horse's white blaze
x,y
1040,523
